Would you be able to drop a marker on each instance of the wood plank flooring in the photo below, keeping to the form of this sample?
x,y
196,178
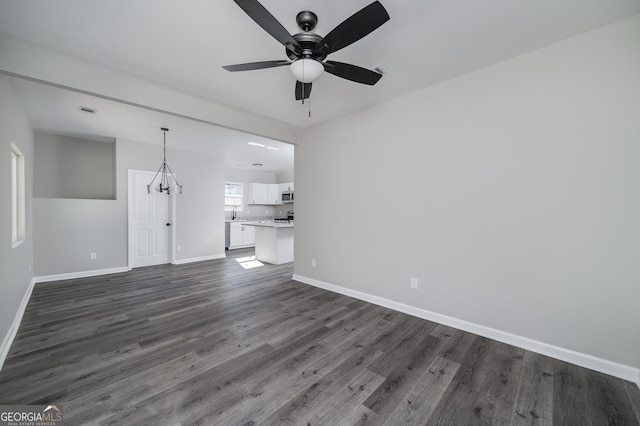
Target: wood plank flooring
x,y
211,343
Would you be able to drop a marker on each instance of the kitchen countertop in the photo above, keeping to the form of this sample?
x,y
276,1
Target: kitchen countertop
x,y
248,220
270,224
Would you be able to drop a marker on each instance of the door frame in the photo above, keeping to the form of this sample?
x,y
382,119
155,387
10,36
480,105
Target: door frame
x,y
171,237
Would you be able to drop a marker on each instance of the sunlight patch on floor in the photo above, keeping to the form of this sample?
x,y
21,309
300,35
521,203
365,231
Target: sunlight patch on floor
x,y
249,262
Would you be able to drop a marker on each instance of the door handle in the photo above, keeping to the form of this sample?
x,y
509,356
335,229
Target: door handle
x,y
168,224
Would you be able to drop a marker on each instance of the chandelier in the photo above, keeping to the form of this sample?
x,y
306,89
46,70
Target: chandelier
x,y
165,172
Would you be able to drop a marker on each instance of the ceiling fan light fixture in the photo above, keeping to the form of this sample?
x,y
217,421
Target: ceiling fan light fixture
x,y
306,70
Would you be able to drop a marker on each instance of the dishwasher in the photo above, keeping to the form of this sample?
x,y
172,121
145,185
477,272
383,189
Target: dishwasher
x,y
227,235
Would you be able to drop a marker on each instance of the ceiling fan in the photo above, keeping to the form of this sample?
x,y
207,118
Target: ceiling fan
x,y
307,51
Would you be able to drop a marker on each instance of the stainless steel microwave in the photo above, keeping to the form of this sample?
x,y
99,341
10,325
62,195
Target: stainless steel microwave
x,y
287,196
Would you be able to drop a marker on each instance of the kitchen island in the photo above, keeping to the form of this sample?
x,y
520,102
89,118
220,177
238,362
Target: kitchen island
x,y
274,241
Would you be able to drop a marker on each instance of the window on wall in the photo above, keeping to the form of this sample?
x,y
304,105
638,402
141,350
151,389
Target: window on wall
x,y
17,196
233,196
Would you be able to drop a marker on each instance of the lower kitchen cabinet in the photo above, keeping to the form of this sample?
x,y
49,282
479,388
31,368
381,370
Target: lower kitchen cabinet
x,y
241,235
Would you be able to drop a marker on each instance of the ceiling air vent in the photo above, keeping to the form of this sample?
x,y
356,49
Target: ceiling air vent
x,y
381,71
88,110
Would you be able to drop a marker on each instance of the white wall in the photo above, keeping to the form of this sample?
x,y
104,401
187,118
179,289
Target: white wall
x,y
72,167
511,193
66,231
200,208
285,176
15,263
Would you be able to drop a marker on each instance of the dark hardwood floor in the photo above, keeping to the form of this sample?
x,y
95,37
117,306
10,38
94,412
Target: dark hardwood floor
x,y
211,343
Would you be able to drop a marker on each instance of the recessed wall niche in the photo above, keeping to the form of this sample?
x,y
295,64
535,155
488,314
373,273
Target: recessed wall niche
x,y
81,167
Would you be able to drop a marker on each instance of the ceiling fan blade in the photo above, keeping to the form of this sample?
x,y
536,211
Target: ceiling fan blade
x,y
302,89
353,28
255,65
352,72
269,23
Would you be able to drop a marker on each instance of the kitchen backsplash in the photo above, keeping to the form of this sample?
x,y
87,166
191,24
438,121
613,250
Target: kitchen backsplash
x,y
256,218
261,212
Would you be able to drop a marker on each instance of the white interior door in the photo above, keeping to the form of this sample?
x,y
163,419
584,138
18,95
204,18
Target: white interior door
x,y
150,222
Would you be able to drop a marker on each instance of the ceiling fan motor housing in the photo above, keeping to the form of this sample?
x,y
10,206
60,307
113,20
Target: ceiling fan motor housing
x,y
308,42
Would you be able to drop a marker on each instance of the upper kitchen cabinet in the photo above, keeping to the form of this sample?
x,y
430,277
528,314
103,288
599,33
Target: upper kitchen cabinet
x,y
269,194
273,195
283,187
264,194
258,193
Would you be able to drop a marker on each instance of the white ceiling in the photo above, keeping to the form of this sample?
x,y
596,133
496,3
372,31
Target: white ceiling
x,y
184,45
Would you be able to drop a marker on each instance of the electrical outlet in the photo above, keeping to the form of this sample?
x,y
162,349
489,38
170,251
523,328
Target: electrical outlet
x,y
414,283
179,248
313,263
93,255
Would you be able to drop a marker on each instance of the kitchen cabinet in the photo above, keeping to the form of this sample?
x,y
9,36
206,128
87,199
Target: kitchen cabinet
x,y
265,194
282,187
274,242
248,235
273,195
258,193
287,186
241,235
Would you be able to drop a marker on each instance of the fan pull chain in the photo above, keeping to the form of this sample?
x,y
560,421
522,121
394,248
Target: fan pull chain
x,y
303,83
309,107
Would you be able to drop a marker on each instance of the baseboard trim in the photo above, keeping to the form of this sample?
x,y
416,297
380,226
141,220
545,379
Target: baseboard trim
x,y
81,274
611,368
199,259
13,331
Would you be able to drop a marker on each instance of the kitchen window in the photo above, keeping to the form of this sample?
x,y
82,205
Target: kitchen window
x,y
233,193
17,196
